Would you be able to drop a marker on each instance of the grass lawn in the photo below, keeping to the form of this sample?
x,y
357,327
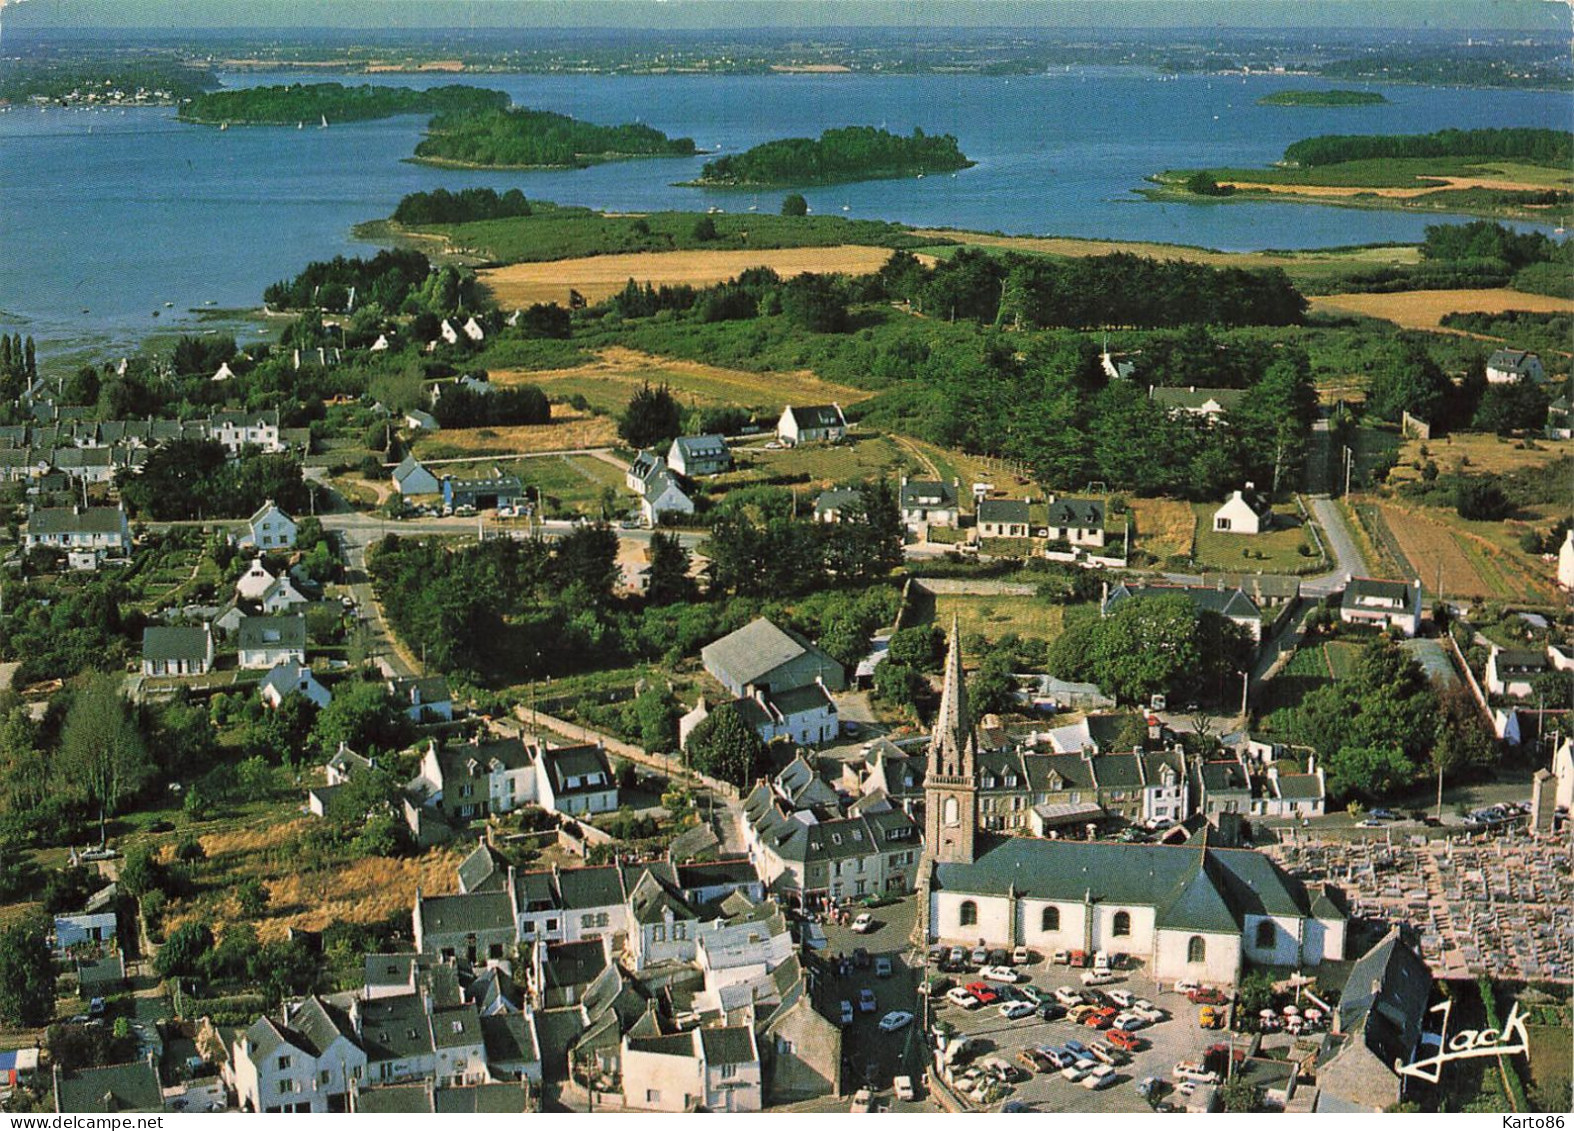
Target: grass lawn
x,y
1276,550
569,483
569,429
996,616
860,458
1474,453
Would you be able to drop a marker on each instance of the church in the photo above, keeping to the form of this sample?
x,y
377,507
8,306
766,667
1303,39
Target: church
x,y
1185,911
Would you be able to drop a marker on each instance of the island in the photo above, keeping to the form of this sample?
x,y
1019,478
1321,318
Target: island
x,y
328,102
1514,173
520,138
1322,98
854,153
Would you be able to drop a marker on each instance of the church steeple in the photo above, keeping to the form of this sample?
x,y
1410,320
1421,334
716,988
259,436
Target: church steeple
x,y
951,786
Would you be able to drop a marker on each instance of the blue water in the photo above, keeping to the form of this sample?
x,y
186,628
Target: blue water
x,y
117,213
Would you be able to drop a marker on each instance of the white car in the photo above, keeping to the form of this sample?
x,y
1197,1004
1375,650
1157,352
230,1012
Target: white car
x,y
1146,1011
1121,998
1068,997
1020,956
957,995
1127,1022
895,1021
1196,1073
866,1002
903,1086
1078,1070
1101,1077
1186,985
998,974
863,924
847,1012
1014,1009
1094,978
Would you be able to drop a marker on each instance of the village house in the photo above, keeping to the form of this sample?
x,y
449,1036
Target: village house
x,y
87,535
90,928
177,650
237,430
410,477
660,495
1507,366
1292,795
1376,1025
805,424
702,1070
269,529
575,780
1231,604
293,679
256,581
468,781
929,502
483,493
1212,403
305,1063
1244,512
419,420
266,642
641,467
813,854
423,699
114,1089
1003,518
1393,605
694,456
833,502
1268,591
1512,671
1081,522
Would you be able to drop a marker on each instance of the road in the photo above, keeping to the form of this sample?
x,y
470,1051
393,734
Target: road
x,y
1348,561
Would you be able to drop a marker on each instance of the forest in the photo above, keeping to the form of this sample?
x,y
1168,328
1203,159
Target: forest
x,y
1540,146
1322,98
443,207
387,279
333,102
855,153
1477,255
521,139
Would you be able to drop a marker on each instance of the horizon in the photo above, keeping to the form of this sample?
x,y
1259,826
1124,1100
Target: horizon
x,y
192,17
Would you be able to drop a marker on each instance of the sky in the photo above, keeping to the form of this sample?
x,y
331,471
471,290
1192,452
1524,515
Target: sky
x,y
176,15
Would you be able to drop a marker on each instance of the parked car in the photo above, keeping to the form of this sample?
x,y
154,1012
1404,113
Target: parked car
x,y
1121,1039
1210,1017
1101,1077
1060,957
1101,1018
1383,814
863,1102
866,1002
1035,1061
1094,978
999,956
1058,1058
979,956
903,1087
1149,1012
1034,994
1121,998
1077,1047
1207,995
1107,1054
1020,956
882,966
895,1021
1196,1073
1051,1010
1079,1069
846,1012
984,993
957,995
863,924
1186,985
956,956
1012,1010
999,974
861,958
1068,997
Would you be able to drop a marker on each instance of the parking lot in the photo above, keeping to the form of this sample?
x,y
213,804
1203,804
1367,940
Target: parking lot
x,y
1174,1039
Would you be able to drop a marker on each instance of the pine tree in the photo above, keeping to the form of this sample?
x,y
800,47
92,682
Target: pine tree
x,y
32,360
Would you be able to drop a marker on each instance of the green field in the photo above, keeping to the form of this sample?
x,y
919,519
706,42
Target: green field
x,y
996,616
860,459
569,484
1276,550
1390,173
554,232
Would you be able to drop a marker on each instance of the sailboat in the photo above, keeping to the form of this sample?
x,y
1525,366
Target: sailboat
x,y
223,126
324,123
300,125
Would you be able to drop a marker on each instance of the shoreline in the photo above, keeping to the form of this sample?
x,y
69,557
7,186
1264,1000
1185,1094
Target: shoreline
x,y
588,161
776,186
1371,200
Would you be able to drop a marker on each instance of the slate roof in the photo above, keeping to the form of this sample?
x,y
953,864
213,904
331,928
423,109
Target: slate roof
x,y
408,467
817,416
918,493
1510,361
835,499
395,1028
509,1038
1300,787
482,870
478,911
701,447
1003,511
1264,588
565,762
1375,588
573,963
272,632
458,1026
1085,514
76,520
693,842
733,1045
169,643
315,1025
395,1099
1385,999
583,888
1195,397
133,1086
754,651
1190,888
481,1099
651,900
800,700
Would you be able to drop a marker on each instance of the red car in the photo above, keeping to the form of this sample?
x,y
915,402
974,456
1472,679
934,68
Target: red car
x,y
983,993
1101,1018
1207,995
1123,1040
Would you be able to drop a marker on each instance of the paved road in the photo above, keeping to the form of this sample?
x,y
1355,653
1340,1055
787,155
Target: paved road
x,y
1347,558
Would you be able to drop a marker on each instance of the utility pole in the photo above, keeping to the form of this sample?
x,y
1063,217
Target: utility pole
x,y
1245,681
1349,464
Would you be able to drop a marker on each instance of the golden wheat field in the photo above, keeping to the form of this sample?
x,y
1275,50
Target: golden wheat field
x,y
1424,310
600,276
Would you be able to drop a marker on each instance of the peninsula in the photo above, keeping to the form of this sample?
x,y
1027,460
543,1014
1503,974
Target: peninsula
x,y
855,153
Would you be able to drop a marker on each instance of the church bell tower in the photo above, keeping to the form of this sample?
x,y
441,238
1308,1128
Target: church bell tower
x,y
951,783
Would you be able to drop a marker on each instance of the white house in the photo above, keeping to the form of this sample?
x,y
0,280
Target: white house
x,y
804,424
177,650
803,716
269,529
86,534
662,496
412,478
1386,604
1563,771
701,1070
473,330
424,699
1080,522
306,1063
1507,366
267,642
1003,518
256,581
575,780
928,502
96,923
281,597
293,678
699,455
1244,512
1566,561
236,430
1511,670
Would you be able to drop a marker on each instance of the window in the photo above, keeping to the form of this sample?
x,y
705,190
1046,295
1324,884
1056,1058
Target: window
x,y
652,1096
658,934
679,930
728,1071
1050,920
587,921
1122,926
1266,934
322,1079
968,913
950,811
284,1064
1196,949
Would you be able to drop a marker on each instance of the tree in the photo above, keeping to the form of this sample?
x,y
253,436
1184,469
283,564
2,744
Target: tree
x,y
1152,645
794,204
669,582
251,897
656,716
27,976
1519,405
184,950
1406,379
363,716
651,417
1464,741
815,303
1239,1094
704,229
1255,994
898,684
102,758
992,691
1481,498
724,746
920,646
141,872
